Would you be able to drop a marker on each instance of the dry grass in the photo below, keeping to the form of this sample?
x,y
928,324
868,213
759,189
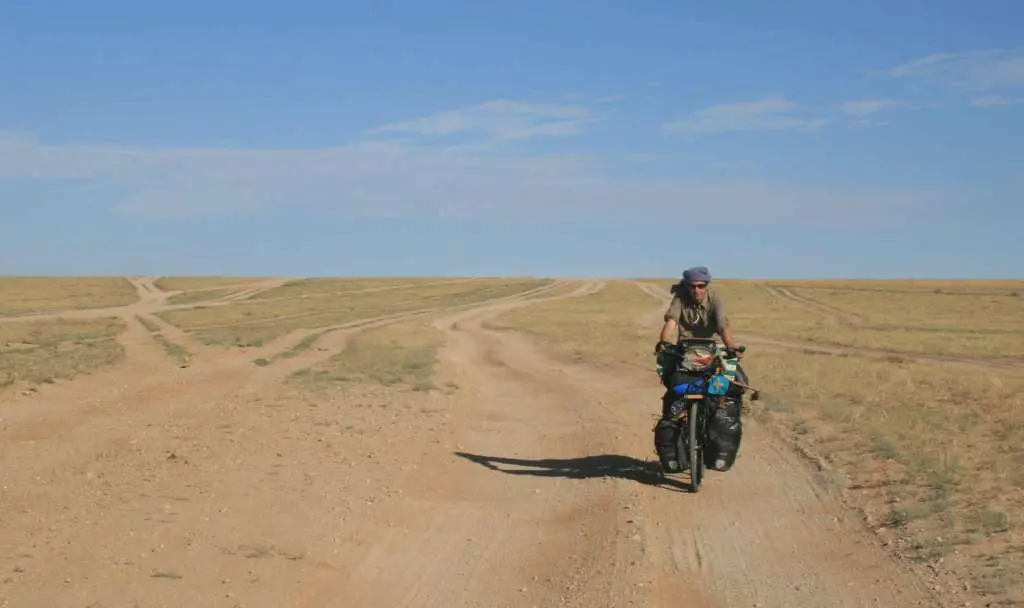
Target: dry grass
x,y
933,450
255,322
326,287
202,295
397,356
963,286
950,321
606,325
931,318
194,283
45,351
25,295
175,351
932,453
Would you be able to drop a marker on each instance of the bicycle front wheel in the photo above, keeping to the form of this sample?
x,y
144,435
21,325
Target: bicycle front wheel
x,y
696,447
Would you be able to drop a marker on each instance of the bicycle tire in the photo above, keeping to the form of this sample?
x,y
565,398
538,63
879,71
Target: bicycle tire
x,y
696,447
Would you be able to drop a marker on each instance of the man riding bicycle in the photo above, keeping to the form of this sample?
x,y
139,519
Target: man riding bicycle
x,y
695,311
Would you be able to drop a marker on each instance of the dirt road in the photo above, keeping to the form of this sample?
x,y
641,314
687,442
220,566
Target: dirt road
x,y
530,485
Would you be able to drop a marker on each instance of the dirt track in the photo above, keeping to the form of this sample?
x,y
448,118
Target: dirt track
x,y
531,485
836,314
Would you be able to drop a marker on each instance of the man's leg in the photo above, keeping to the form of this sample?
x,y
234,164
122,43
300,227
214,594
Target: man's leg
x,y
725,432
665,437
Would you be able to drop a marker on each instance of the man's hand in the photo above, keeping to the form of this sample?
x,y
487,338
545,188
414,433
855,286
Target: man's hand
x,y
660,346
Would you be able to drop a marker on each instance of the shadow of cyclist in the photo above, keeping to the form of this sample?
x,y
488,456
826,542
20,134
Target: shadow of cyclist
x,y
587,467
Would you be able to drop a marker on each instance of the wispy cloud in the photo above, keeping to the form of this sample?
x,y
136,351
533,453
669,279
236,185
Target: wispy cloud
x,y
863,112
401,179
777,114
866,107
769,113
995,101
498,119
987,77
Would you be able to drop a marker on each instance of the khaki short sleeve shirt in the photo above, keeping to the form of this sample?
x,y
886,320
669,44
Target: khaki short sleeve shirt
x,y
697,319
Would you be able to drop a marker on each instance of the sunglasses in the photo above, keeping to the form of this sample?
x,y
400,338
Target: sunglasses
x,y
697,285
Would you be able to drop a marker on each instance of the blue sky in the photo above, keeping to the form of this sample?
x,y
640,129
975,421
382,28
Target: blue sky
x,y
571,138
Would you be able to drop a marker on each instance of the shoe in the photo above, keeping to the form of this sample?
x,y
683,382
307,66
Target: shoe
x,y
720,464
672,466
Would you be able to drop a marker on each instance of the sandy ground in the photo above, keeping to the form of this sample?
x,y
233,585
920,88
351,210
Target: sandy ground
x,y
533,484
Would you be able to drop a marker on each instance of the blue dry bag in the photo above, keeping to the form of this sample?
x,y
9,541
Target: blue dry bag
x,y
719,384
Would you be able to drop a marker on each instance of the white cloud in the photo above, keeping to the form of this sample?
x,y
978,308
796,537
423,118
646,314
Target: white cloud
x,y
995,101
499,119
398,179
863,112
987,77
769,113
866,107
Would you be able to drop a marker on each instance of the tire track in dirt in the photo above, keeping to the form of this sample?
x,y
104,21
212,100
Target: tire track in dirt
x,y
459,536
82,461
332,340
290,317
141,368
249,293
250,290
61,410
276,348
346,292
1005,364
197,350
654,291
139,374
151,300
140,350
892,356
551,454
838,315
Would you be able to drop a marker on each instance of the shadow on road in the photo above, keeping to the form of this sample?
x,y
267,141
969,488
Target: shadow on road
x,y
587,467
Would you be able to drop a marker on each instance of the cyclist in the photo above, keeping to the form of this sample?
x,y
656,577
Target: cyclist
x,y
695,311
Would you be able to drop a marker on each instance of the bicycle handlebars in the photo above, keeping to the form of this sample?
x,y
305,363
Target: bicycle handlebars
x,y
679,347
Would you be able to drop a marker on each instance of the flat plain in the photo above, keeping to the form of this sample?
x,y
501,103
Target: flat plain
x,y
262,441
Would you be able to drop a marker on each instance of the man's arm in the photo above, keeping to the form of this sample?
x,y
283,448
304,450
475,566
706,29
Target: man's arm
x,y
722,320
726,332
670,330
